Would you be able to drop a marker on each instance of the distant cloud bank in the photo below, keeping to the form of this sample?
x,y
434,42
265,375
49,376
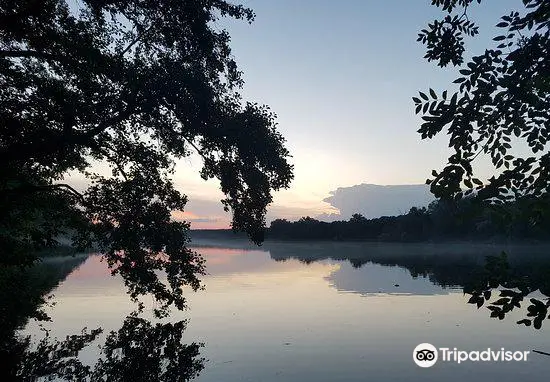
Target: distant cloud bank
x,y
372,200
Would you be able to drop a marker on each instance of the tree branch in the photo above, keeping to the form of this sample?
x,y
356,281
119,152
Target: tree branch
x,y
46,187
188,140
26,53
56,142
195,147
116,163
465,13
136,40
66,187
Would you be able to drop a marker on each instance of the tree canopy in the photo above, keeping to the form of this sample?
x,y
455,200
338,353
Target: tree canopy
x,y
132,85
500,106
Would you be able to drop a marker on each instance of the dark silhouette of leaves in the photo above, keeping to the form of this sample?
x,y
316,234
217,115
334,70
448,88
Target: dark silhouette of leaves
x,y
503,93
132,86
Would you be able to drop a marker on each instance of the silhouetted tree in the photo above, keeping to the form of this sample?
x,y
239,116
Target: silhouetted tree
x,y
132,85
357,218
502,100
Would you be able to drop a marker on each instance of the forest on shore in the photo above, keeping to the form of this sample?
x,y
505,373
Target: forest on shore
x,y
440,221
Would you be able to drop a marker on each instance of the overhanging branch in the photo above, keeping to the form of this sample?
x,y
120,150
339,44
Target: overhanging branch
x,y
55,143
26,54
64,187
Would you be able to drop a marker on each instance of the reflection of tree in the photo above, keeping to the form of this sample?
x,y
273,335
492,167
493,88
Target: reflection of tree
x,y
138,351
23,290
513,286
50,359
22,296
141,351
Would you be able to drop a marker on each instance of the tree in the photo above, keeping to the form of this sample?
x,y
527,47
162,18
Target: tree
x,y
502,101
133,85
357,218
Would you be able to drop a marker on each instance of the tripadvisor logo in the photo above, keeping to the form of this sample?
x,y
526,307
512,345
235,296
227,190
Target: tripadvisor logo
x,y
426,355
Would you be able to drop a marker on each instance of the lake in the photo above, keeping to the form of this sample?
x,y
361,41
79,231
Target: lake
x,y
324,312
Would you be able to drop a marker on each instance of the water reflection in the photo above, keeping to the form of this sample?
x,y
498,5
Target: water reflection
x,y
22,295
140,350
143,351
501,277
371,278
306,312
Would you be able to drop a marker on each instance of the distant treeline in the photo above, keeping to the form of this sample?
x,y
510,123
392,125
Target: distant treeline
x,y
441,220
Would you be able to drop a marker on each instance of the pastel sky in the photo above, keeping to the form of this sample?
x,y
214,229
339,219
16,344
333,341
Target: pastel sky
x,y
340,76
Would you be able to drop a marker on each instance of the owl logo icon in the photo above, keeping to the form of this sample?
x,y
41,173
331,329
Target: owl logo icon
x,y
425,355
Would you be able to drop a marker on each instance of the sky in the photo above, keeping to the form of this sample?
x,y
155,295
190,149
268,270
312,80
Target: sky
x,y
340,77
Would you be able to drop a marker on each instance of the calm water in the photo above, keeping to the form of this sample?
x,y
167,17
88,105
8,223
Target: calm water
x,y
291,312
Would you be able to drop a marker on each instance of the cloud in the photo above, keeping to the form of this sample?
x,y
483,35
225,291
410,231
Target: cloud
x,y
329,217
373,200
191,217
203,214
209,214
370,200
203,220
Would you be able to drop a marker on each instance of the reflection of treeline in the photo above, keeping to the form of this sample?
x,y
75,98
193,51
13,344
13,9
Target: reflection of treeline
x,y
449,268
22,296
22,289
445,264
439,221
502,282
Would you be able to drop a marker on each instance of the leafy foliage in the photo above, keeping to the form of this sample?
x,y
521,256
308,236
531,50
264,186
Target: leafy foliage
x,y
444,39
131,85
501,105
